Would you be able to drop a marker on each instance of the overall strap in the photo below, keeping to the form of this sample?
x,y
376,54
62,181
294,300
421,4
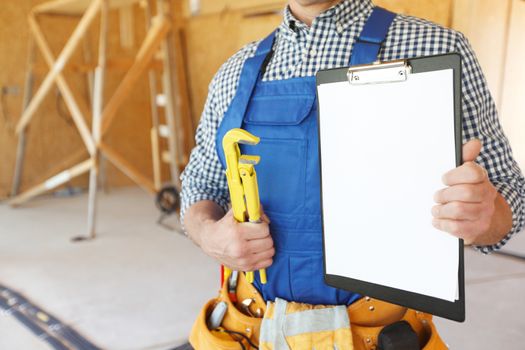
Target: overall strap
x,y
252,71
366,48
250,74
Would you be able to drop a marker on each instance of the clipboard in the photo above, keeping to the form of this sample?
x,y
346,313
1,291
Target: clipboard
x,y
406,117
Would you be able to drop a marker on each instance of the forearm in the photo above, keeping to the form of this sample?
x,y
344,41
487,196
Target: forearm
x,y
198,216
500,225
240,246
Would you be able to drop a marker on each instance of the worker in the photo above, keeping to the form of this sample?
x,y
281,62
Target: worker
x,y
481,202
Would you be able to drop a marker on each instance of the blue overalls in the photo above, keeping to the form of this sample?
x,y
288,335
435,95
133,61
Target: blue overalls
x,y
283,114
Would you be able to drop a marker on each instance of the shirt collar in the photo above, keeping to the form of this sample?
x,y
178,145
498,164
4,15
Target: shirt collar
x,y
342,14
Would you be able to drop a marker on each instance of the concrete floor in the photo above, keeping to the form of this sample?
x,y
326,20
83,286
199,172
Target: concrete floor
x,y
139,286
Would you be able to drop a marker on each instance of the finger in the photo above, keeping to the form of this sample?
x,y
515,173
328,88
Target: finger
x,y
250,230
263,264
451,226
253,262
471,150
259,245
458,211
462,192
264,217
468,173
261,256
457,228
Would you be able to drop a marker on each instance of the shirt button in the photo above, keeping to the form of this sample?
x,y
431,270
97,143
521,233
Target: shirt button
x,y
339,28
313,53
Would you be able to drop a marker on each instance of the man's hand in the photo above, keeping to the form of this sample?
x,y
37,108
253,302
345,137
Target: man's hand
x,y
239,246
467,207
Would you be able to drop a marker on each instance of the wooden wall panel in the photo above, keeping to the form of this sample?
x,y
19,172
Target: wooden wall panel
x,y
438,11
212,39
207,7
51,138
513,101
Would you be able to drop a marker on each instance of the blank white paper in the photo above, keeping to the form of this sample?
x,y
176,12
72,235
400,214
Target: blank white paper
x,y
384,149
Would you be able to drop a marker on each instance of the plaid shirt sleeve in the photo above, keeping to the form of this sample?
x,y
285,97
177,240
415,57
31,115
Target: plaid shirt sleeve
x,y
204,178
481,122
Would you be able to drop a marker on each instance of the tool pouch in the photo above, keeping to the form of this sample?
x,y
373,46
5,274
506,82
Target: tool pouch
x,y
368,317
234,323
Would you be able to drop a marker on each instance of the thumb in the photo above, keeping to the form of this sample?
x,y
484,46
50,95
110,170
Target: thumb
x,y
471,150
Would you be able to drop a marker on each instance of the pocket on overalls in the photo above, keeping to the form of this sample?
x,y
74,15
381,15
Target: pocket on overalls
x,y
307,281
281,180
281,173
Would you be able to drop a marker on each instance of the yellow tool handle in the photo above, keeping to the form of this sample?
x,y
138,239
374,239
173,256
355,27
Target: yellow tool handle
x,y
251,191
238,207
249,276
227,273
262,276
236,194
253,204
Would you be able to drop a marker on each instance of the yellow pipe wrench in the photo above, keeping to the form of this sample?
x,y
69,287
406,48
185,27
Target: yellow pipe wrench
x,y
242,183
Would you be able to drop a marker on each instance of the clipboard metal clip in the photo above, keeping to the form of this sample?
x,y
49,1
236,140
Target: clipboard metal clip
x,y
379,73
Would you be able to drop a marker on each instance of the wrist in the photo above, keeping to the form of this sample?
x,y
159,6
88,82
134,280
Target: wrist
x,y
200,217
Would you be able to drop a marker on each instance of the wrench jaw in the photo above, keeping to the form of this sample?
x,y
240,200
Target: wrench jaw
x,y
251,194
238,136
251,191
252,142
248,159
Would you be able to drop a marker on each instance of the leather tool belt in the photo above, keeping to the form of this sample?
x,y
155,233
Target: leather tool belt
x,y
241,326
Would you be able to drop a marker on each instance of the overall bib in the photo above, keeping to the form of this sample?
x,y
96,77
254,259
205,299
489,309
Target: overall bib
x,y
283,114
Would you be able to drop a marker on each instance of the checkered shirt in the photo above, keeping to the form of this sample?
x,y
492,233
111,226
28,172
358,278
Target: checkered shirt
x,y
301,51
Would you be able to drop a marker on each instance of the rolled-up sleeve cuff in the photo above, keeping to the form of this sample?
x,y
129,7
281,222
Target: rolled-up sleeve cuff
x,y
515,200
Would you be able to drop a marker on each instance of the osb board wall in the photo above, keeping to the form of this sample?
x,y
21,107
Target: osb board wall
x,y
224,26
207,7
438,11
212,39
52,138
